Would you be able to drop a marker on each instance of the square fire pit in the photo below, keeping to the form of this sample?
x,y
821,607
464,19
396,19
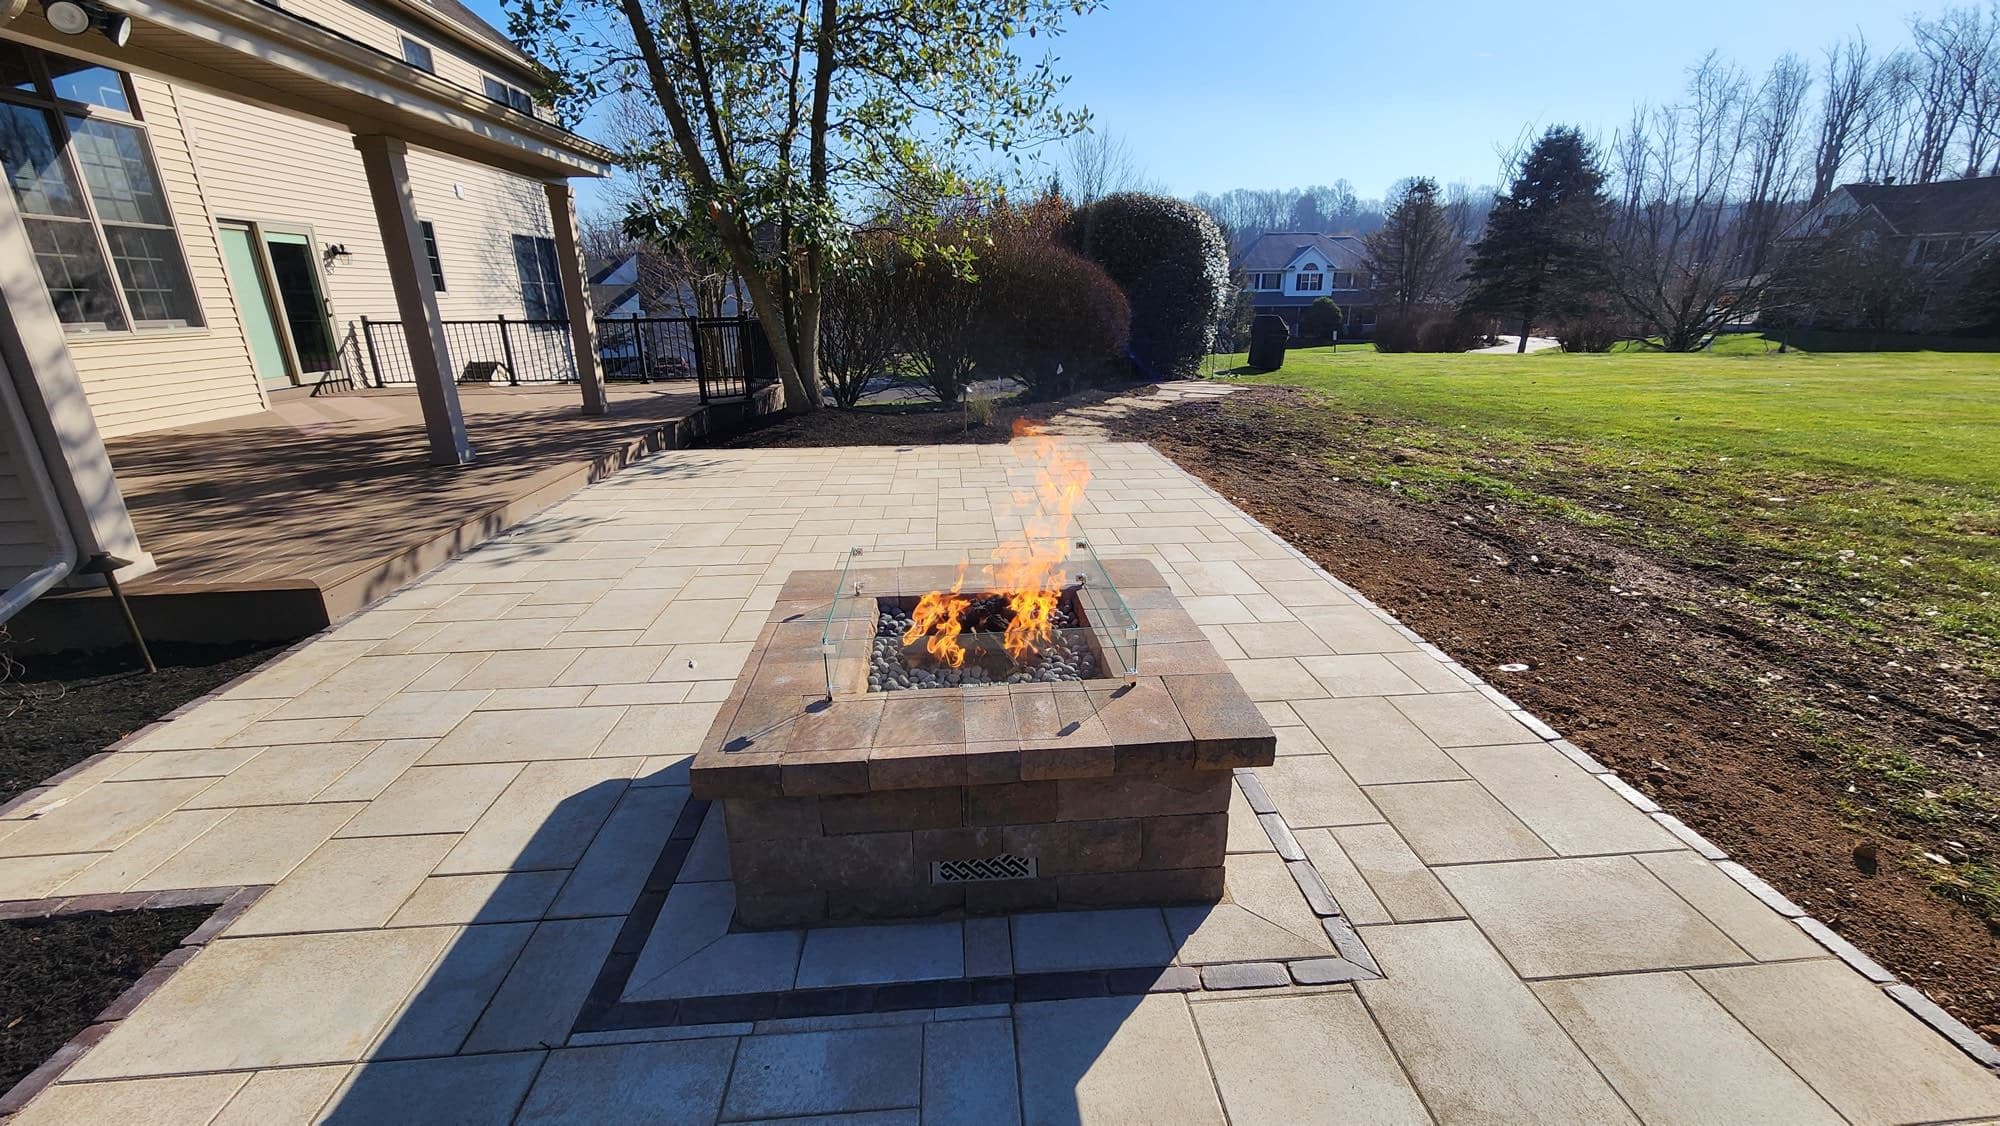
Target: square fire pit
x,y
1088,773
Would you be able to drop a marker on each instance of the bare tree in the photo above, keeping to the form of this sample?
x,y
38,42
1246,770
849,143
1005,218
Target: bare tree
x,y
1097,164
1703,188
1850,98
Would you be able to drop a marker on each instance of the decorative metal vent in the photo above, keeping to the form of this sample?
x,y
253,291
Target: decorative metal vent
x,y
1001,867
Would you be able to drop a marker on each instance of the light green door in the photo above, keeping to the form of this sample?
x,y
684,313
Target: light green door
x,y
253,298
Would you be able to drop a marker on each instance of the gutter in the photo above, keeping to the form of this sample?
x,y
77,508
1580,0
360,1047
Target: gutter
x,y
62,558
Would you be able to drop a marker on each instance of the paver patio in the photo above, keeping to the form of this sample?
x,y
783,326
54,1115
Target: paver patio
x,y
460,793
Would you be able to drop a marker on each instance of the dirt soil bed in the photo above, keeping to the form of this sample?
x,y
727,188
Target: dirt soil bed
x,y
1663,671
60,973
57,710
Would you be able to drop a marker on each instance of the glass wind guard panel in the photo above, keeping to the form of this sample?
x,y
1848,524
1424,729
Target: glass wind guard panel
x,y
1105,614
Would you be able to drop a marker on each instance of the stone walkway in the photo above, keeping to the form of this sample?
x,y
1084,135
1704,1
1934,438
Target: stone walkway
x,y
458,798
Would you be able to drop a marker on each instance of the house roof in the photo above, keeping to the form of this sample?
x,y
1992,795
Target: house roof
x,y
1948,207
1275,250
608,297
1342,297
601,268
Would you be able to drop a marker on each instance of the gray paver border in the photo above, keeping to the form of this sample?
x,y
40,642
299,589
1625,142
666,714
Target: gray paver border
x,y
1909,996
229,903
604,1011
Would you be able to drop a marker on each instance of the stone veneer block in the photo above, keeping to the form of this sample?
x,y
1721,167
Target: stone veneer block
x,y
1117,788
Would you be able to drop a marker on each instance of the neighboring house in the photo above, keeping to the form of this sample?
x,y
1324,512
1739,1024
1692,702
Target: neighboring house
x,y
201,213
1927,235
1285,271
616,291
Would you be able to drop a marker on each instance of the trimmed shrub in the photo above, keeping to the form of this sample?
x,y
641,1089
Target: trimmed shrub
x,y
937,315
859,324
1587,334
1048,316
1320,320
1427,330
1169,258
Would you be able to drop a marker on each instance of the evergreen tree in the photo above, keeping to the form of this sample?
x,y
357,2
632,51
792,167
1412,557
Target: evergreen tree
x,y
1414,255
1542,254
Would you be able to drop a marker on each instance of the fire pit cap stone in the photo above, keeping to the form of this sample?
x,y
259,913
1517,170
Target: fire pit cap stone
x,y
774,738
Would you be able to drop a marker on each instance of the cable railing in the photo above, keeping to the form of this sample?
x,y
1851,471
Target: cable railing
x,y
725,357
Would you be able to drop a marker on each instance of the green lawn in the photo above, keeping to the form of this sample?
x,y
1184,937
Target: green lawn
x,y
1860,488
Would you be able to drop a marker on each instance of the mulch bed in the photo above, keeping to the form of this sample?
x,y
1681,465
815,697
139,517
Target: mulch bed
x,y
922,424
1630,659
57,710
61,973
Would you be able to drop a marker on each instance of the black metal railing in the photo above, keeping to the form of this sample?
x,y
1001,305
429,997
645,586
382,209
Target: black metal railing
x,y
724,356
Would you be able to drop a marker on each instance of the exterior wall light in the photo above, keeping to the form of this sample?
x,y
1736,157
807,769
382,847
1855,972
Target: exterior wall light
x,y
74,17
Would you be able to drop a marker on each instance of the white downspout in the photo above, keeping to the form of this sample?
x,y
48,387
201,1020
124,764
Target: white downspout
x,y
62,558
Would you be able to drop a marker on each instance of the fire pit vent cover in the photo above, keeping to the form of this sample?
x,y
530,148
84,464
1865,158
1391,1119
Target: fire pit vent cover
x,y
1001,867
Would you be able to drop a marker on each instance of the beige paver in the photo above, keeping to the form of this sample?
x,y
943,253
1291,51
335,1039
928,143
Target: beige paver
x,y
1313,791
487,897
545,819
1315,1058
1455,823
1374,742
632,1082
299,999
523,735
1114,1059
1461,719
100,818
250,846
1853,1044
1478,1044
1405,887
416,715
183,1098
1592,915
346,885
1649,1033
293,1094
116,871
433,799
1350,889
1571,811
1765,934
283,775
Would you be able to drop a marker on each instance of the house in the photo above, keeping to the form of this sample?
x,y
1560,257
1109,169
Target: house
x,y
210,201
617,290
1888,254
1285,271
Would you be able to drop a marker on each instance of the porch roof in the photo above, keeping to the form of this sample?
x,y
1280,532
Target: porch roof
x,y
265,54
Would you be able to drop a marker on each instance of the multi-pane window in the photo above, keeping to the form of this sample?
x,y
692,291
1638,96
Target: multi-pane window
x,y
418,55
83,177
431,252
1343,280
1267,281
506,95
1309,279
541,282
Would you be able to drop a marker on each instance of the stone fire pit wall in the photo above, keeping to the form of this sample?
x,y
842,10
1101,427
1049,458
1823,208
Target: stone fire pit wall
x,y
837,808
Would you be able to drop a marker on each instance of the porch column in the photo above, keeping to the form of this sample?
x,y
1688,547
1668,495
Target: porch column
x,y
383,158
65,432
576,294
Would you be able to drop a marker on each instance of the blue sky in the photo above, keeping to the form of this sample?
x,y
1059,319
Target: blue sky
x,y
1215,94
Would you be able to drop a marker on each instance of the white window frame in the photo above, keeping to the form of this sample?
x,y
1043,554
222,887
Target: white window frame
x,y
57,112
419,54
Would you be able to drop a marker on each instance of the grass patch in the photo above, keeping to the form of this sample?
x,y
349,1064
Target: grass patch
x,y
1860,490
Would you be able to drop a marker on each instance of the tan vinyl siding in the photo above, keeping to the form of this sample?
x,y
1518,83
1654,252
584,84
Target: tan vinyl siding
x,y
25,537
320,184
384,31
137,381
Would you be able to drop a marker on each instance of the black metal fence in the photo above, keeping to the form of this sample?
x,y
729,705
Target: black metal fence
x,y
725,356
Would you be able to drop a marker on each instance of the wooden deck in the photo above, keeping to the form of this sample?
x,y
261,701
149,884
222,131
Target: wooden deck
x,y
275,524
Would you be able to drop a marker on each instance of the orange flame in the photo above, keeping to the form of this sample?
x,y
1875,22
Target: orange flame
x,y
938,614
1028,569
